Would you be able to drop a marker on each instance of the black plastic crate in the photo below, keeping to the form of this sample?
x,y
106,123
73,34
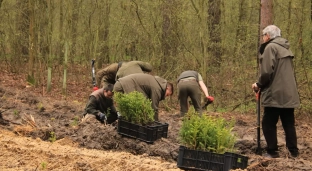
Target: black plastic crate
x,y
147,134
235,161
202,160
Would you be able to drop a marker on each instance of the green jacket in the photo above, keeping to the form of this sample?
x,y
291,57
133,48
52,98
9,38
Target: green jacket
x,y
153,87
133,67
106,75
277,79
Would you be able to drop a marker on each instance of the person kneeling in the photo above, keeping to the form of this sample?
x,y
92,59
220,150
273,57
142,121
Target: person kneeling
x,y
101,105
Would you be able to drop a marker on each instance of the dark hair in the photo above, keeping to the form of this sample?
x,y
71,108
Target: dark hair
x,y
170,86
109,87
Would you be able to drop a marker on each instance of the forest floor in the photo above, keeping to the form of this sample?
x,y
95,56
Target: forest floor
x,y
41,131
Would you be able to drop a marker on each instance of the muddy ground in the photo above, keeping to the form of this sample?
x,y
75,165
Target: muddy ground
x,y
40,131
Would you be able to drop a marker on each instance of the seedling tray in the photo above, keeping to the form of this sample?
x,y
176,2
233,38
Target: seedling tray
x,y
202,160
147,133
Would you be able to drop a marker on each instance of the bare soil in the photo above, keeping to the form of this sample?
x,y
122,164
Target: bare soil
x,y
43,131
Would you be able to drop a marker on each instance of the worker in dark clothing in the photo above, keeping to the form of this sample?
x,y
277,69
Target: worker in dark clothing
x,y
190,84
101,105
153,87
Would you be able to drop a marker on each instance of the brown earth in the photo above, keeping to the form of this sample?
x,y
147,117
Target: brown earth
x,y
43,131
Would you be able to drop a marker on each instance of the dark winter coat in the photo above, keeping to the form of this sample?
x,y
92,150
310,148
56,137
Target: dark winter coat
x,y
99,103
277,79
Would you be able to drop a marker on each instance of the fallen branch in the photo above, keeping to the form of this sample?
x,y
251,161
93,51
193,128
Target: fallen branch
x,y
259,164
30,120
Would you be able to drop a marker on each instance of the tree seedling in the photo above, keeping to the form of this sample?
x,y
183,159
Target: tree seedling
x,y
75,121
43,165
52,137
16,113
207,133
135,107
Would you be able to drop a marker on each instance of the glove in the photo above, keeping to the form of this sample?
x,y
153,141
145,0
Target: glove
x,y
101,117
95,88
255,87
210,98
118,115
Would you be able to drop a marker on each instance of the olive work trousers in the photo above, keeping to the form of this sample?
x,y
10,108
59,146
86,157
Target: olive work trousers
x,y
189,88
269,121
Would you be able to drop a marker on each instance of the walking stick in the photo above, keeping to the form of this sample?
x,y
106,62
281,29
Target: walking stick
x,y
258,150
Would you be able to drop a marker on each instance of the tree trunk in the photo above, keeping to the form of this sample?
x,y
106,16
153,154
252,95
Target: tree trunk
x,y
241,26
266,18
64,88
50,40
214,16
60,45
32,42
266,14
168,40
74,25
104,36
20,42
42,43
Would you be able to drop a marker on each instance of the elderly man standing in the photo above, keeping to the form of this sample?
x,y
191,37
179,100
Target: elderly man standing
x,y
153,87
279,94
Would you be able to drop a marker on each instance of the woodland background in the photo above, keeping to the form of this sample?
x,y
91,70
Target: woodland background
x,y
52,42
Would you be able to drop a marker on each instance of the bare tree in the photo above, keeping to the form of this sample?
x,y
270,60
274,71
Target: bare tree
x,y
266,17
169,27
241,27
104,25
50,40
32,42
74,25
20,41
214,16
65,65
266,14
60,44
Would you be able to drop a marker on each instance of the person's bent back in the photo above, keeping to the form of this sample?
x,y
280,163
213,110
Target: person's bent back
x,y
153,87
107,75
133,67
